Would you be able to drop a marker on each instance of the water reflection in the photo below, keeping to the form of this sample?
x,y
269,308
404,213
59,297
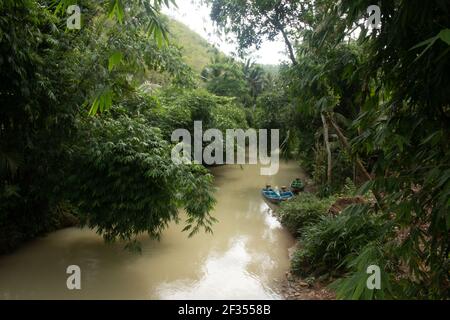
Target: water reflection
x,y
269,218
224,276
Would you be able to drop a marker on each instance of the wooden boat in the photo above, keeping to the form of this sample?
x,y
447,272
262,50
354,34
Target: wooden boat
x,y
271,196
276,197
286,195
297,186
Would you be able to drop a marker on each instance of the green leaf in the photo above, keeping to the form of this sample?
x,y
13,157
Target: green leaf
x,y
114,60
102,102
429,43
116,10
444,35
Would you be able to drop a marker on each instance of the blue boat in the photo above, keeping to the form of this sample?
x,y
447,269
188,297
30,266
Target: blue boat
x,y
276,197
286,195
271,196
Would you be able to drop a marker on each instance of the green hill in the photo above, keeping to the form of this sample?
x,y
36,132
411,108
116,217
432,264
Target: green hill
x,y
197,52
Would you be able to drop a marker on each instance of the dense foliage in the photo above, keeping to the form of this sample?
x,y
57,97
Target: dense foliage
x,y
124,182
375,110
304,210
327,242
83,129
176,108
33,122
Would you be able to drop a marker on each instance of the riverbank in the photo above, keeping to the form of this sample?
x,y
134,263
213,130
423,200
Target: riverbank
x,y
15,235
296,288
316,222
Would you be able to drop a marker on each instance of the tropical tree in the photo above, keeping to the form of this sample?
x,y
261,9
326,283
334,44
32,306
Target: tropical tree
x,y
55,77
256,78
255,21
225,77
402,127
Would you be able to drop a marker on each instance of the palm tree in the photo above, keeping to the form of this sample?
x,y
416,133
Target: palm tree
x,y
256,79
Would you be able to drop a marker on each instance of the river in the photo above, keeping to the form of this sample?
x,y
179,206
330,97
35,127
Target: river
x,y
246,257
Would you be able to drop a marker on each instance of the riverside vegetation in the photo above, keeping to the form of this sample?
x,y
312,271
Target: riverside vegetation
x,y
369,118
86,117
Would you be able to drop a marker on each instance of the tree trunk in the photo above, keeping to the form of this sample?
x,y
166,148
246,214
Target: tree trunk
x,y
326,138
289,46
348,147
359,164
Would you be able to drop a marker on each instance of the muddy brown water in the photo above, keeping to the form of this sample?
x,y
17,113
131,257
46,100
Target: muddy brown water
x,y
246,257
